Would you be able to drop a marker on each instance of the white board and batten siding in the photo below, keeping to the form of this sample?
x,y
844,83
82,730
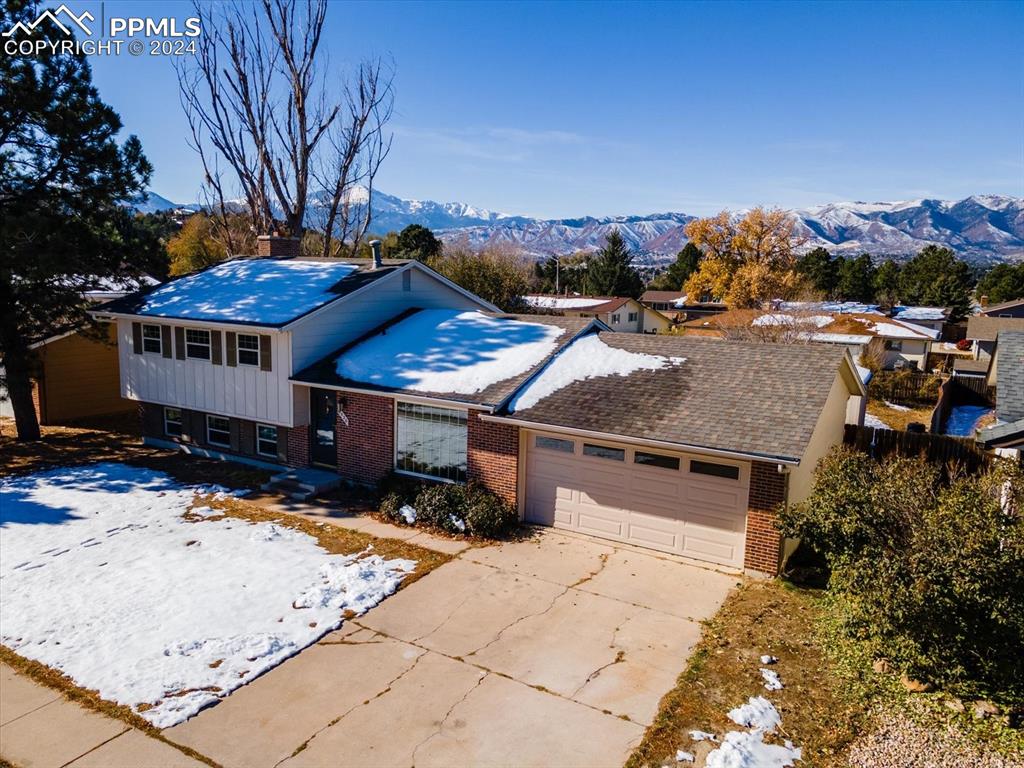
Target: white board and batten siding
x,y
338,324
241,391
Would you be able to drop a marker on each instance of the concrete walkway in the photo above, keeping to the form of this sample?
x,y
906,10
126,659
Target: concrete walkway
x,y
549,652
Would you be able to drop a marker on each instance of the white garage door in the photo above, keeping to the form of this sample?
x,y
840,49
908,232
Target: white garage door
x,y
675,502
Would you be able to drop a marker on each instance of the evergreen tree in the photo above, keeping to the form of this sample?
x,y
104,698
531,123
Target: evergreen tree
x,y
821,270
887,283
611,272
856,279
417,242
63,179
1003,282
679,271
936,277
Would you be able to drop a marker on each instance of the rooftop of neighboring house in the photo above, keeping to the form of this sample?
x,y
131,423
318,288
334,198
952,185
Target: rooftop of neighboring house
x,y
664,297
912,313
576,302
995,309
1009,428
269,292
985,328
818,325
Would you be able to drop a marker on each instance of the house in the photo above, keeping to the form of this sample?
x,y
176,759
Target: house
x,y
928,317
897,343
75,374
1012,308
676,305
1007,375
983,330
679,444
621,314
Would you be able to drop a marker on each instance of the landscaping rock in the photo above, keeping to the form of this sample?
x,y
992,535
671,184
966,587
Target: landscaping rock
x,y
954,704
914,686
882,666
983,709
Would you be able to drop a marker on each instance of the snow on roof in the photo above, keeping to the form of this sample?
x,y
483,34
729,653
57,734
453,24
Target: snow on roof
x,y
564,302
838,307
919,313
449,351
839,338
796,320
268,291
903,330
585,358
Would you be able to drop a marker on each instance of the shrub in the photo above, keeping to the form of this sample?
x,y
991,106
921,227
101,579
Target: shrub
x,y
389,506
904,386
442,506
489,515
405,487
929,576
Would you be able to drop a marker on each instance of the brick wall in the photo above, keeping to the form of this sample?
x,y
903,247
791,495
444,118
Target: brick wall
x,y
493,456
764,542
277,247
296,445
366,437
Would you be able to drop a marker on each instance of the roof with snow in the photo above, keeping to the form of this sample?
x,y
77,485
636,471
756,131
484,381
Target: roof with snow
x,y
249,291
920,313
577,303
751,398
464,356
818,325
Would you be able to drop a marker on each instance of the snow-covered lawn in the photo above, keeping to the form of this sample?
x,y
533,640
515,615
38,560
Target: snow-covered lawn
x,y
102,578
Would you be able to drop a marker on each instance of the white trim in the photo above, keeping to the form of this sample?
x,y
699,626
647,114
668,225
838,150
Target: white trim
x,y
52,339
185,322
238,350
159,338
228,430
399,395
257,446
180,423
394,445
208,344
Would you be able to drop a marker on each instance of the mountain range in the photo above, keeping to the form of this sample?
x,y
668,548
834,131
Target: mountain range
x,y
982,229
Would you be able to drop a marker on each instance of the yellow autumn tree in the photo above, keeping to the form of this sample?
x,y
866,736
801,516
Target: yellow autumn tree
x,y
748,262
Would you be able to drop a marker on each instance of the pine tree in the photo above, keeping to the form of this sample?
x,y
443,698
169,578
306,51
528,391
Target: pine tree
x,y
417,242
821,269
887,283
63,225
679,271
856,279
1002,283
936,277
611,273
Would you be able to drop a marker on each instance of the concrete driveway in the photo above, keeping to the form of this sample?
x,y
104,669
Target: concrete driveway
x,y
549,652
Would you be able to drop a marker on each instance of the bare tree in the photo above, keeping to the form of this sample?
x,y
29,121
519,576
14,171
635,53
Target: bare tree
x,y
268,123
776,328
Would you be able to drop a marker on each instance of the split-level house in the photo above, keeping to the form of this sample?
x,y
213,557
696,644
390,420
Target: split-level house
x,y
620,313
683,445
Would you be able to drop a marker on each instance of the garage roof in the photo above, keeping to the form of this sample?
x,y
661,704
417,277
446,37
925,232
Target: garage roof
x,y
752,398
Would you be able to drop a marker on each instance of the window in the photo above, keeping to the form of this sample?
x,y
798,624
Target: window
x,y
266,440
218,431
555,444
893,346
197,344
431,441
631,317
616,319
604,452
172,422
248,349
656,460
151,339
716,470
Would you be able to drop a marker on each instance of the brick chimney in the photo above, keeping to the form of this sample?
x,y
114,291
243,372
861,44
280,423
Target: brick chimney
x,y
277,247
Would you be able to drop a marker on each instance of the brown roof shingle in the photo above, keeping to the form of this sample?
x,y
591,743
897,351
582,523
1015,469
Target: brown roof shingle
x,y
982,328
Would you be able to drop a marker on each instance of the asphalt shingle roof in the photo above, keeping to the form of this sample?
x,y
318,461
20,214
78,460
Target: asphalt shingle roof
x,y
1010,376
762,399
982,328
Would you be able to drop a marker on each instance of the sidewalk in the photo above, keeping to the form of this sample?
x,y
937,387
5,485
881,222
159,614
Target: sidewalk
x,y
39,728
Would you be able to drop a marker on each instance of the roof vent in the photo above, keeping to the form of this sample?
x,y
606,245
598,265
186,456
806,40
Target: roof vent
x,y
375,247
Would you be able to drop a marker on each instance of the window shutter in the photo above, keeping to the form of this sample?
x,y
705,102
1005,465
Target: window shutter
x,y
215,347
165,340
137,338
265,363
179,342
232,340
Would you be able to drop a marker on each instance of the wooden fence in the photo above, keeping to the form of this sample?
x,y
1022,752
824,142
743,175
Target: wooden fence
x,y
917,387
940,449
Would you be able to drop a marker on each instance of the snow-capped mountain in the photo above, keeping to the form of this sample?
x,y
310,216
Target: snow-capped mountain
x,y
981,228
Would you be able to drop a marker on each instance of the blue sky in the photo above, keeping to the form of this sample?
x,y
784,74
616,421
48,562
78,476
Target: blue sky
x,y
569,109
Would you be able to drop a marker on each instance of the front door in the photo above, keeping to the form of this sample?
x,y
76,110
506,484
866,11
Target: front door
x,y
323,409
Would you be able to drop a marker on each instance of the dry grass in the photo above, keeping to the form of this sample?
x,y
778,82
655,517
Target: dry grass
x,y
724,671
898,419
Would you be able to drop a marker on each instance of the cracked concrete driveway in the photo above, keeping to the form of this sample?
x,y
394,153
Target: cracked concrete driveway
x,y
549,652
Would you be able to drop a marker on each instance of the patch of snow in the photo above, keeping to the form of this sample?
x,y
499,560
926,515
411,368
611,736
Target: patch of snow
x,y
408,514
458,522
449,351
766,659
919,313
585,358
746,749
267,291
703,736
819,321
870,420
838,338
683,757
563,302
758,713
904,331
772,681
104,580
864,373
895,406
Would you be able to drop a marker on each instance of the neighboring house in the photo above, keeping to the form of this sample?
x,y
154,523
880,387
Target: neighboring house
x,y
678,444
621,314
929,317
1007,375
676,305
76,375
1012,308
898,344
982,331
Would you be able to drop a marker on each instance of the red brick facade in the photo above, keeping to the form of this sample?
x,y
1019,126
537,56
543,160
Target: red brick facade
x,y
277,247
366,437
764,542
493,456
296,445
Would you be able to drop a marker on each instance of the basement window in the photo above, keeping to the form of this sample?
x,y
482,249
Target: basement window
x,y
197,344
266,440
248,349
151,341
218,431
728,471
172,422
604,452
431,441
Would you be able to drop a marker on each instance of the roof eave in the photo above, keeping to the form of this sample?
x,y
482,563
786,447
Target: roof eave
x,y
398,394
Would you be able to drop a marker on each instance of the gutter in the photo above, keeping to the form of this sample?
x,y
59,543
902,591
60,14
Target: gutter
x,y
401,395
184,322
789,462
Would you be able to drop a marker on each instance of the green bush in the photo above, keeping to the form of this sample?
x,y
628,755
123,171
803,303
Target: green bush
x,y
450,507
931,576
489,515
389,506
442,506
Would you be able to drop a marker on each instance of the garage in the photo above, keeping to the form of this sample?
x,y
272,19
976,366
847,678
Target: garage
x,y
681,503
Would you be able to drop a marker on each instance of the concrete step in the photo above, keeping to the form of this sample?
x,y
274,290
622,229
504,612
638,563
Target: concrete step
x,y
302,483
